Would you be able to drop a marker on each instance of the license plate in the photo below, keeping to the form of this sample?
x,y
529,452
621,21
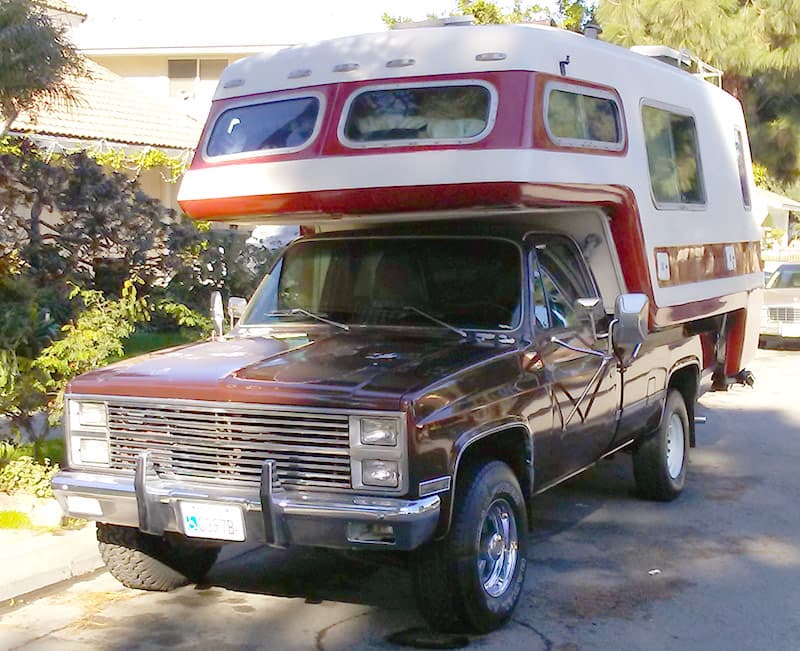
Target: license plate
x,y
790,329
217,521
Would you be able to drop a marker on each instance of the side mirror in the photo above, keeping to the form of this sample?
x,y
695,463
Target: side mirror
x,y
217,313
630,315
589,309
236,307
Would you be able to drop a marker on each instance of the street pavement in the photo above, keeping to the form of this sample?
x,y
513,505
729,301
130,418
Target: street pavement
x,y
719,568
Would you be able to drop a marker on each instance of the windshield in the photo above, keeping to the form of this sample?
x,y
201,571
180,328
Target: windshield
x,y
463,282
785,277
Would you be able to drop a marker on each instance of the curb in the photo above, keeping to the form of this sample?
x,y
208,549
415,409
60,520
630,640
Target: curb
x,y
33,561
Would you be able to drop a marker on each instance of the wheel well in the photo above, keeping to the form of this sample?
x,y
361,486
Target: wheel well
x,y
511,446
685,380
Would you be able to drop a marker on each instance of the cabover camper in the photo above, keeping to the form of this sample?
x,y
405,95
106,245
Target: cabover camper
x,y
525,250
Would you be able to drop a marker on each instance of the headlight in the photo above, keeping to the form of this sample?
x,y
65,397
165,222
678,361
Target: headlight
x,y
379,431
87,433
380,473
379,452
87,414
92,451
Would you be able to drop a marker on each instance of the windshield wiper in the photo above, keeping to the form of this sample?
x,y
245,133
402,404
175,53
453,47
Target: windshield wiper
x,y
300,310
435,320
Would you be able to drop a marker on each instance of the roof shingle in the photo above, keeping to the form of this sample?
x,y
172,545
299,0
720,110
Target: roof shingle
x,y
111,109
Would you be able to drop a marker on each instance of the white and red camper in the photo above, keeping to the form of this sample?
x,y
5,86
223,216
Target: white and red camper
x,y
643,163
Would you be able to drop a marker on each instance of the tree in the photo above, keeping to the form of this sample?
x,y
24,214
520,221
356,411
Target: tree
x,y
569,15
36,61
756,45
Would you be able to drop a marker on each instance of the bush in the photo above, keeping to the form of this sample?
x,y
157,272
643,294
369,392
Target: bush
x,y
28,476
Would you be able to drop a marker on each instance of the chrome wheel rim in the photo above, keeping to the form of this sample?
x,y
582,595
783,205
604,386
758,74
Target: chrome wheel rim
x,y
675,445
499,544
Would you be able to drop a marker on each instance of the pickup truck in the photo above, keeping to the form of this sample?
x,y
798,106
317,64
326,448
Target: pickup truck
x,y
408,388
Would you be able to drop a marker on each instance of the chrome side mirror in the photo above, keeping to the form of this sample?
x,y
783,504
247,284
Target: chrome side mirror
x,y
630,320
217,313
236,308
587,309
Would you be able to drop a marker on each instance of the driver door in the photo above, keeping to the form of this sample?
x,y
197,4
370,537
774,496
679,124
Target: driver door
x,y
582,379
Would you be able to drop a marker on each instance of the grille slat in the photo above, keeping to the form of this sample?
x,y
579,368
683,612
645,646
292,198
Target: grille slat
x,y
311,450
786,314
268,444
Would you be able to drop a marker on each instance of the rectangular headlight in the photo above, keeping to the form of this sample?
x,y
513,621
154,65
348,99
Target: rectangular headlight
x,y
380,473
379,431
87,414
93,451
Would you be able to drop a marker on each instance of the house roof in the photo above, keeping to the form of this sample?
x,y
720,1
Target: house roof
x,y
60,5
110,109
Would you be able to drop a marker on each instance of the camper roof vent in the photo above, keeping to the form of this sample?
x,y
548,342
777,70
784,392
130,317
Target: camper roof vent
x,y
682,59
447,21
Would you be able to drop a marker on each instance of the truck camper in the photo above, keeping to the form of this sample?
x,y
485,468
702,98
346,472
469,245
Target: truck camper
x,y
525,250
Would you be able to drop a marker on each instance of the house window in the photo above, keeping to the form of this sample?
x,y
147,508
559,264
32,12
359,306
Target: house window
x,y
287,124
410,114
184,73
742,165
673,157
578,117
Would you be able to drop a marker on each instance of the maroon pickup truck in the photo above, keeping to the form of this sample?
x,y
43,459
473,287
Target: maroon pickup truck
x,y
393,389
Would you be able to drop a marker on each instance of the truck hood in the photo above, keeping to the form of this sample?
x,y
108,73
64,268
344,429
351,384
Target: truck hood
x,y
788,296
368,370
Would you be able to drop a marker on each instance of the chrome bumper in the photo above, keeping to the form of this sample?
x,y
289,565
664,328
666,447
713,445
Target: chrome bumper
x,y
271,516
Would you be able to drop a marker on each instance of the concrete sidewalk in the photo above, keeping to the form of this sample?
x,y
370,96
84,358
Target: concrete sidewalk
x,y
34,559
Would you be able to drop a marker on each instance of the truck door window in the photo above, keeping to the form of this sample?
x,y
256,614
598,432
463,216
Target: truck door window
x,y
560,279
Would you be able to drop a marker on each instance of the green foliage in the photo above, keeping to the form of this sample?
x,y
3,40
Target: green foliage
x,y
756,45
27,475
37,60
14,520
185,317
95,338
486,12
149,158
143,342
52,449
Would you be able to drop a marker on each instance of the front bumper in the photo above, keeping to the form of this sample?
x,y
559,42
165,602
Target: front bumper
x,y
271,516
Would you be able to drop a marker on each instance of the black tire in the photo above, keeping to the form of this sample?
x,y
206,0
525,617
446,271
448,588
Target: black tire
x,y
450,592
159,563
660,460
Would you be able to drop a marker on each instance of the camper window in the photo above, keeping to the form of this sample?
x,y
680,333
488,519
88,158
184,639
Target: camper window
x,y
742,165
410,114
576,118
286,124
673,157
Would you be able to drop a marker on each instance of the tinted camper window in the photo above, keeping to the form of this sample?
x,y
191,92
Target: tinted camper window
x,y
402,114
268,126
575,119
742,165
673,157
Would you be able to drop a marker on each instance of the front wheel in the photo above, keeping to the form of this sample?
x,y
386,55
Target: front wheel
x,y
659,462
471,581
145,562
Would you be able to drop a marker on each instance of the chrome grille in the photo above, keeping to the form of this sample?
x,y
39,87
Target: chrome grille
x,y
785,314
208,441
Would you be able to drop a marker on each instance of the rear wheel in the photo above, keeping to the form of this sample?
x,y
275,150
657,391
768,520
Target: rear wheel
x,y
145,562
471,581
659,463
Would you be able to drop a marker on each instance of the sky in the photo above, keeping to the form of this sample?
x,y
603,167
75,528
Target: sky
x,y
264,21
